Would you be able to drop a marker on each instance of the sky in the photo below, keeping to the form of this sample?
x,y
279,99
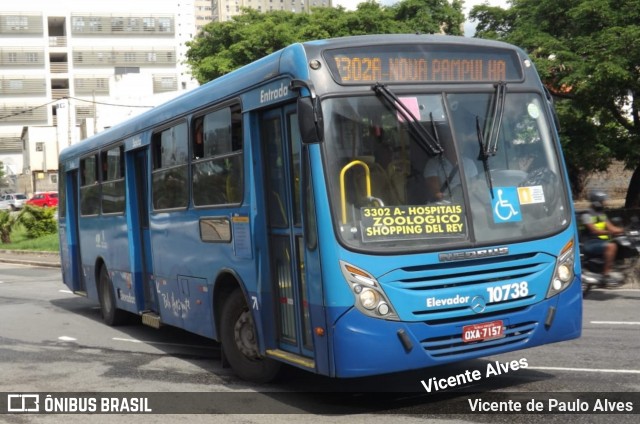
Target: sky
x,y
469,27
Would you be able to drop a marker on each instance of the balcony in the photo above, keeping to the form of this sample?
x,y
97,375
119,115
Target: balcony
x,y
58,41
59,67
59,93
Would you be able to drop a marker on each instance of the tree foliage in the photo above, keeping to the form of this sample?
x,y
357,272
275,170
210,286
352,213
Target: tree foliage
x,y
7,222
585,51
38,221
224,46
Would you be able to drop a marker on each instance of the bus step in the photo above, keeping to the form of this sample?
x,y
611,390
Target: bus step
x,y
151,319
292,358
80,293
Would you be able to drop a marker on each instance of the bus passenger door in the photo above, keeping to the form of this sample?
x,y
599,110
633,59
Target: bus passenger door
x,y
72,257
282,162
140,253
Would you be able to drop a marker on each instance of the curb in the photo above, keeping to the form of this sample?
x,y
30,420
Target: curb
x,y
20,257
30,263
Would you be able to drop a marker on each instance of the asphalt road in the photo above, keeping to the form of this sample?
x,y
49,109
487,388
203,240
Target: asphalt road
x,y
52,341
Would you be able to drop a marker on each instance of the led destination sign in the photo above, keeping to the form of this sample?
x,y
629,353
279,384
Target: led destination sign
x,y
423,64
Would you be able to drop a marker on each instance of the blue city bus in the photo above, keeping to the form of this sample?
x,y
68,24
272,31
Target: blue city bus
x,y
352,207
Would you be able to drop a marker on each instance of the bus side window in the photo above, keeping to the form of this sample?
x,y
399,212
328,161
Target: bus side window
x,y
170,189
113,188
89,187
217,175
198,139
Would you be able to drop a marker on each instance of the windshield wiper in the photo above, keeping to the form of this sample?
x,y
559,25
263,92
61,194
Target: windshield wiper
x,y
484,157
428,142
490,146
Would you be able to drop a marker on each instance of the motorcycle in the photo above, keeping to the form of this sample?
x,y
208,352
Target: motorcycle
x,y
625,264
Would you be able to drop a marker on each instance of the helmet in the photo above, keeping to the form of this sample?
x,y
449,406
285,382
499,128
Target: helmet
x,y
597,198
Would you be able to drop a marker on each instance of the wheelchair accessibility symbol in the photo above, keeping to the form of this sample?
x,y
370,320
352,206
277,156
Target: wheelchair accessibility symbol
x,y
505,204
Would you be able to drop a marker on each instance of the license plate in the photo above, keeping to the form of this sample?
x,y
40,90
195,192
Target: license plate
x,y
483,331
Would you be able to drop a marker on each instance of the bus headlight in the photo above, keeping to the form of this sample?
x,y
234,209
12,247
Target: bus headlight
x,y
370,299
563,274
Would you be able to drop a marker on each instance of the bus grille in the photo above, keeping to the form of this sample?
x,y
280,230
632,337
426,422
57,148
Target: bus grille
x,y
465,277
451,345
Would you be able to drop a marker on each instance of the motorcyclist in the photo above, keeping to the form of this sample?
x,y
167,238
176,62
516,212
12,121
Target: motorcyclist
x,y
598,232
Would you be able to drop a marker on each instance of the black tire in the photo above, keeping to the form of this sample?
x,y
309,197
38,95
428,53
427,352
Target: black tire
x,y
240,344
111,315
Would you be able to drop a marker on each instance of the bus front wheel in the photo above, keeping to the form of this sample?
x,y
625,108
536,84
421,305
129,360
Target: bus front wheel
x,y
240,342
111,315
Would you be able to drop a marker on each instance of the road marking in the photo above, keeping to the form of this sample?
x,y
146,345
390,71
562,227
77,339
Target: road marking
x,y
67,339
119,339
585,370
615,322
66,291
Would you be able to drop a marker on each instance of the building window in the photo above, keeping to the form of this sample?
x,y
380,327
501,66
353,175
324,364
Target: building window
x,y
17,23
149,24
77,23
165,24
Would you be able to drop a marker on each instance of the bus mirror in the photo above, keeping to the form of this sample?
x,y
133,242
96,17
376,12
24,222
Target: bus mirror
x,y
310,120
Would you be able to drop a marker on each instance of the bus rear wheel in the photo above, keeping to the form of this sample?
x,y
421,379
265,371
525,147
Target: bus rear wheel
x,y
111,315
240,342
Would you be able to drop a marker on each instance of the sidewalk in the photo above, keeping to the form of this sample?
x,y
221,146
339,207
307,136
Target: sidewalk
x,y
24,257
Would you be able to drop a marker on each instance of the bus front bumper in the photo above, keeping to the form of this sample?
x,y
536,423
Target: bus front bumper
x,y
367,346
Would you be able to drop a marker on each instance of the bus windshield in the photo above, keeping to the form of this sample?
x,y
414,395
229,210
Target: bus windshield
x,y
419,171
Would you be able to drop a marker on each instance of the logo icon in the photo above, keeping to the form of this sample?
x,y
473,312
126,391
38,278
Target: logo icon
x,y
23,403
478,304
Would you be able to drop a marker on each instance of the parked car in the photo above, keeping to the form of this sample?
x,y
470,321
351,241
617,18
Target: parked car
x,y
12,201
44,200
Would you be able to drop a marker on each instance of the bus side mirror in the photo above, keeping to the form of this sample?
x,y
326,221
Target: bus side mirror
x,y
310,120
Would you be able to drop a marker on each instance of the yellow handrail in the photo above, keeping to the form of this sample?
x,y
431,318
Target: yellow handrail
x,y
343,196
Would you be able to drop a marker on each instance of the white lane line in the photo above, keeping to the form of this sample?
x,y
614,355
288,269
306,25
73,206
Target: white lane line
x,y
66,291
585,370
615,322
67,339
119,339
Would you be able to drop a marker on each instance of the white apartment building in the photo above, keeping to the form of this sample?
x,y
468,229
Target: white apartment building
x,y
224,10
70,68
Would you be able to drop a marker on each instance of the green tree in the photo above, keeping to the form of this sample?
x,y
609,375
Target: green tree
x,y
224,46
585,53
7,222
3,180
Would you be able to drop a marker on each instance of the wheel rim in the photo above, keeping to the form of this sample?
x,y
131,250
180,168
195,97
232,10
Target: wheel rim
x,y
245,336
106,295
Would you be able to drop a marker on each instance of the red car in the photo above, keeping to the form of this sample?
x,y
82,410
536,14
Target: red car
x,y
44,200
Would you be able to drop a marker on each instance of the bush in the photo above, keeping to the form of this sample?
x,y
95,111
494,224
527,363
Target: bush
x,y
38,221
7,222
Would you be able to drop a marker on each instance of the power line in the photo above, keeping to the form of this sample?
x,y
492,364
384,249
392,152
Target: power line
x,y
107,104
74,98
27,110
